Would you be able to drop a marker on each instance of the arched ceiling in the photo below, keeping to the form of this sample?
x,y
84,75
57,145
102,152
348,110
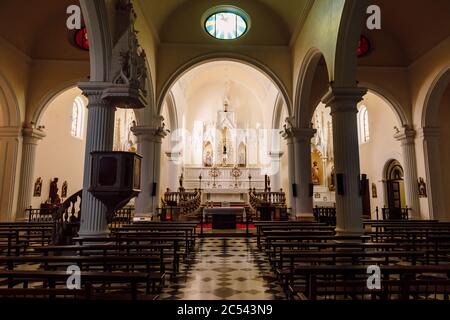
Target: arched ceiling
x,y
273,21
409,29
38,28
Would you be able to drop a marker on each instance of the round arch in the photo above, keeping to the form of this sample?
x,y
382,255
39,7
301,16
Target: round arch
x,y
224,57
387,97
172,111
304,107
430,111
10,112
49,98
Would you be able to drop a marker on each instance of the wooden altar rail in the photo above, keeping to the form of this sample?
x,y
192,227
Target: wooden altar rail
x,y
176,205
325,215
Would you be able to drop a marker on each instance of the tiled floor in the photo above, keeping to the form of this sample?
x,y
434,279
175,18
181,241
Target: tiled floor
x,y
225,269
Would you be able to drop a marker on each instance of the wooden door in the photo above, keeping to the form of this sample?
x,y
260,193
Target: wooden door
x,y
394,199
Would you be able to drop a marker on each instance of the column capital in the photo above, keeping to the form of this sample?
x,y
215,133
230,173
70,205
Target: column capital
x,y
429,133
10,132
405,135
94,91
173,156
149,133
343,99
298,134
32,135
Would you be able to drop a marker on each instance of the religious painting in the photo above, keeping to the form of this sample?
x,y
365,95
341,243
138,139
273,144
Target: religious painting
x,y
64,190
374,191
37,187
422,188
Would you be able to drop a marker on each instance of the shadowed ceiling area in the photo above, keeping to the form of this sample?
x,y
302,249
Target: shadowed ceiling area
x,y
38,28
273,21
409,29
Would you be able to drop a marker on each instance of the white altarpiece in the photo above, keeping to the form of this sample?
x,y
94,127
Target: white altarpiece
x,y
229,158
322,170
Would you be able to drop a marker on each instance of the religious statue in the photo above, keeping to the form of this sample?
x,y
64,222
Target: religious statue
x,y
53,194
332,182
374,190
422,188
181,181
37,187
315,173
208,159
64,190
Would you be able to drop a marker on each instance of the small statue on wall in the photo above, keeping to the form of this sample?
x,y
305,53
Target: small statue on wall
x,y
374,190
37,187
422,188
53,194
64,190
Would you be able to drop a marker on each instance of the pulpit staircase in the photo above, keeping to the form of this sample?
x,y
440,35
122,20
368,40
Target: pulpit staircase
x,y
181,205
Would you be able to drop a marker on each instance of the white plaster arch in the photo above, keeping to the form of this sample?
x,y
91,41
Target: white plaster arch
x,y
10,110
277,121
224,56
391,101
100,38
304,107
430,111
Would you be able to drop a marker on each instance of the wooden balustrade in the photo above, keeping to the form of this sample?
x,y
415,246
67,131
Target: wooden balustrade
x,y
180,205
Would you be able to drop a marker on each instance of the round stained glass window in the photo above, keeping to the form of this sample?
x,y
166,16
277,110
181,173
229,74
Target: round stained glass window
x,y
226,24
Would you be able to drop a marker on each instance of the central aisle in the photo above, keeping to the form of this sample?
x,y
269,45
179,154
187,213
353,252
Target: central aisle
x,y
225,269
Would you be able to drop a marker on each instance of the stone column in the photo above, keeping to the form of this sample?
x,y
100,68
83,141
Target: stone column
x,y
302,139
173,169
99,137
149,146
31,136
287,134
406,137
343,103
433,167
9,167
275,170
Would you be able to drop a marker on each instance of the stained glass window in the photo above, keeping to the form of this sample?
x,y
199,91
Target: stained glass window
x,y
226,25
81,39
77,118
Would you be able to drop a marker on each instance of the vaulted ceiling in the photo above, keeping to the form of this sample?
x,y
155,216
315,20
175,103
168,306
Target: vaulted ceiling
x,y
38,28
273,21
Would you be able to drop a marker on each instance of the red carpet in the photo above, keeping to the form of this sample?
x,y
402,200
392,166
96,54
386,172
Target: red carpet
x,y
238,226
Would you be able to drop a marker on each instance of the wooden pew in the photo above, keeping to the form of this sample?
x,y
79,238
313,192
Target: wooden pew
x,y
350,280
51,279
103,263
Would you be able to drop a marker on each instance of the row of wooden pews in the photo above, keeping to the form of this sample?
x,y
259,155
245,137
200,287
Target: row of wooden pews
x,y
131,263
313,263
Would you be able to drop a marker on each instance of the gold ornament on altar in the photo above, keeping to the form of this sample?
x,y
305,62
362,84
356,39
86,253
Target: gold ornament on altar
x,y
214,173
236,173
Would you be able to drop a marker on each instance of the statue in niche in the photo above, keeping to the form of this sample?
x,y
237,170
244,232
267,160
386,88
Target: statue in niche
x,y
374,190
315,173
53,194
208,159
37,187
181,182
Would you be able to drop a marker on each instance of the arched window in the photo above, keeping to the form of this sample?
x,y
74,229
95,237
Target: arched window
x,y
77,118
363,125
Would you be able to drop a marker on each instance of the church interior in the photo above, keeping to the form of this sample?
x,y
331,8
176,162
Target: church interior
x,y
211,150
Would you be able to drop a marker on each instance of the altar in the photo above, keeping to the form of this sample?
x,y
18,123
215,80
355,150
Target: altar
x,y
224,217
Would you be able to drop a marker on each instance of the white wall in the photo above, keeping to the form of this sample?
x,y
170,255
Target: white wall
x,y
59,155
381,147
